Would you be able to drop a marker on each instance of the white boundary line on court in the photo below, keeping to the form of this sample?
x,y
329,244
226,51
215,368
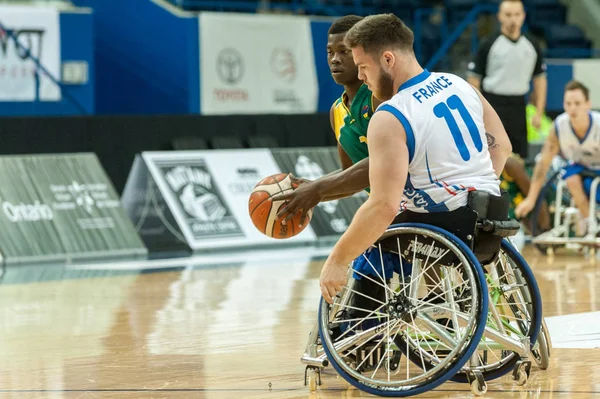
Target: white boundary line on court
x,y
248,256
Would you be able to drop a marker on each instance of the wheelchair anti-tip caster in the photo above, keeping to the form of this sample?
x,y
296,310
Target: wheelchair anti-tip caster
x,y
477,383
312,377
522,372
393,365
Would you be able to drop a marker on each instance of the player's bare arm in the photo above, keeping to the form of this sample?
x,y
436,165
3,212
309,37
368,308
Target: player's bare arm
x,y
540,90
475,81
388,169
498,142
517,172
549,151
341,184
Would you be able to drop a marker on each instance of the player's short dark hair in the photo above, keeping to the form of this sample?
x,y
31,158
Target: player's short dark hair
x,y
343,24
377,32
575,85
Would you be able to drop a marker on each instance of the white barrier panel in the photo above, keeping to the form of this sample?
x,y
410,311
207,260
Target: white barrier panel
x,y
37,30
256,64
586,71
200,199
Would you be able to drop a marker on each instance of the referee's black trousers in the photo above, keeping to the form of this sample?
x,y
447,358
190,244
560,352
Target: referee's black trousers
x,y
512,113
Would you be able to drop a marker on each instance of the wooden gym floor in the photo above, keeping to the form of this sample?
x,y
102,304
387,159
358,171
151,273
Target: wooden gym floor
x,y
232,327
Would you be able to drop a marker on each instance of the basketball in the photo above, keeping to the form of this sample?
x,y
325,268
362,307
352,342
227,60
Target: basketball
x,y
263,212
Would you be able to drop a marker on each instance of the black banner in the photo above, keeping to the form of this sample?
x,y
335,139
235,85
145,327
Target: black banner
x,y
199,199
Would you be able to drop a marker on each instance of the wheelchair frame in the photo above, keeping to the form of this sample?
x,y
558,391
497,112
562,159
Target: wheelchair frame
x,y
316,359
565,216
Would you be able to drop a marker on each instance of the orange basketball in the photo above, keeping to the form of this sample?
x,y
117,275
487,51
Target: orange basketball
x,y
263,211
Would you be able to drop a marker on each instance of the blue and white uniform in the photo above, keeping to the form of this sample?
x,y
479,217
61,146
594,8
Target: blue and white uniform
x,y
448,150
582,153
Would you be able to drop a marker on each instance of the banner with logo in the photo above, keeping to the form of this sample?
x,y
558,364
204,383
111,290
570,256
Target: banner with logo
x,y
330,218
61,207
260,64
150,214
206,194
37,30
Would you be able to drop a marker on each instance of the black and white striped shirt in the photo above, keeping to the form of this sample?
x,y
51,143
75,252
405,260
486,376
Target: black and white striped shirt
x,y
505,66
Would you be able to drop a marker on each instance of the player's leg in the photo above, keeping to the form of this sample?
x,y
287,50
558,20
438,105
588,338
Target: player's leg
x,y
516,181
575,186
369,287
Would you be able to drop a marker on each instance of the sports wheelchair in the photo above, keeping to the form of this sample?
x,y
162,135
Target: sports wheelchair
x,y
420,309
565,215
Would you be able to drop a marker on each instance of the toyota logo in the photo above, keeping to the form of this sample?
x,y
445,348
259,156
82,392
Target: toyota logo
x,y
230,66
283,64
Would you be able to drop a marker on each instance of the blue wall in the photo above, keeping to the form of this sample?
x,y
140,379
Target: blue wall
x,y
559,73
147,58
76,45
144,59
329,91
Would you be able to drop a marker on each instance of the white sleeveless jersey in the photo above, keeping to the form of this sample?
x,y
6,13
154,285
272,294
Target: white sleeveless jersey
x,y
448,150
585,151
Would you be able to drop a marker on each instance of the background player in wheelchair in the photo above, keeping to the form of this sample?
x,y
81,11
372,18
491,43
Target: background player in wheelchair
x,y
575,136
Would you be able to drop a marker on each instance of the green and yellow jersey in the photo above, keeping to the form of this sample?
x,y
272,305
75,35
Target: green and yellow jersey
x,y
350,124
508,184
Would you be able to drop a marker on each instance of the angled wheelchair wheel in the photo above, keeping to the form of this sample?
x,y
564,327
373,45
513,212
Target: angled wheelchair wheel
x,y
514,318
549,200
515,315
543,349
420,291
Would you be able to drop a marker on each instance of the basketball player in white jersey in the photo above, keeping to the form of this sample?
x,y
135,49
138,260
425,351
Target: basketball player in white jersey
x,y
428,145
576,136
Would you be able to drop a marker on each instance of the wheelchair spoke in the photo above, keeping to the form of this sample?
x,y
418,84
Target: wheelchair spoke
x,y
376,282
376,346
373,267
364,295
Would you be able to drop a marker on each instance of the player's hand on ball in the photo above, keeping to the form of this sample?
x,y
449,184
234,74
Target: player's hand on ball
x,y
298,180
305,197
524,207
333,280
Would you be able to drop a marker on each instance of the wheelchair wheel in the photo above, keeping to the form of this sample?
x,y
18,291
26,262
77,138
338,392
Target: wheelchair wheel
x,y
515,313
432,296
543,350
547,198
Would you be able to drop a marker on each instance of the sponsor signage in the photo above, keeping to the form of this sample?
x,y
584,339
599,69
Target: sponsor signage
x,y
61,207
26,32
254,67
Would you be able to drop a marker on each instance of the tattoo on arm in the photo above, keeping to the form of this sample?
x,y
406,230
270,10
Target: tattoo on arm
x,y
491,141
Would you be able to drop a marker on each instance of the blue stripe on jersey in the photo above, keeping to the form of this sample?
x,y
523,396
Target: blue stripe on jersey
x,y
415,80
421,199
410,136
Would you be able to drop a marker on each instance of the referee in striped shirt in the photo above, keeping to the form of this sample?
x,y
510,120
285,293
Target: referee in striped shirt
x,y
503,69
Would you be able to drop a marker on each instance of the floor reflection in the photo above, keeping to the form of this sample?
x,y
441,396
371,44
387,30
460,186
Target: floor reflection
x,y
230,329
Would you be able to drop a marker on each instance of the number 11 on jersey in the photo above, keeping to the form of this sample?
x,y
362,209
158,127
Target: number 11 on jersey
x,y
444,110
